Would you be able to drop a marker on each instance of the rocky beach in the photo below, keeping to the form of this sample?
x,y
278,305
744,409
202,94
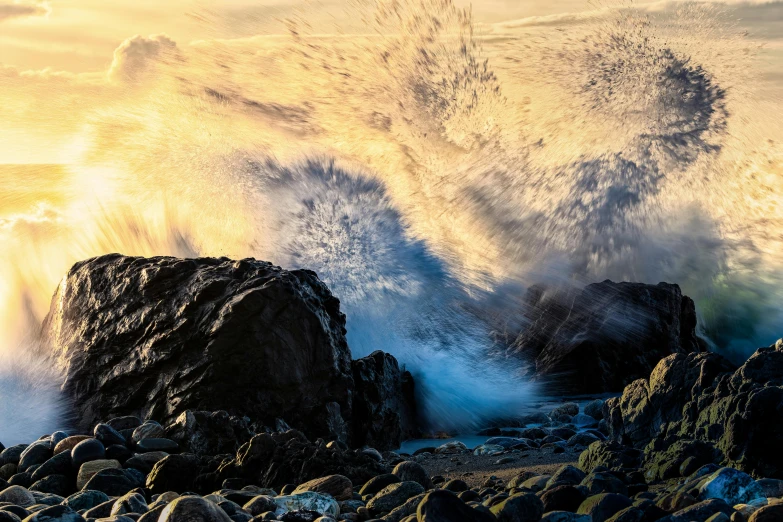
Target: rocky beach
x,y
206,390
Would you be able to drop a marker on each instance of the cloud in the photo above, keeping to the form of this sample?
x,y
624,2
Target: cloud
x,y
135,56
20,10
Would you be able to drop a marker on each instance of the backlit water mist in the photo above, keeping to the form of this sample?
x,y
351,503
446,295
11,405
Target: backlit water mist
x,y
428,170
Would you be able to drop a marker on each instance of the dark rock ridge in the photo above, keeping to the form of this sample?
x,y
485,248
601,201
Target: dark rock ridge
x,y
384,407
156,337
603,337
704,397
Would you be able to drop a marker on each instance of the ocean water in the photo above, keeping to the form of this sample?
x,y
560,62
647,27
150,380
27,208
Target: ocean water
x,y
429,170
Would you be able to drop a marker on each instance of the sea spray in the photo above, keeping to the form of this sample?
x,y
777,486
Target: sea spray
x,y
429,171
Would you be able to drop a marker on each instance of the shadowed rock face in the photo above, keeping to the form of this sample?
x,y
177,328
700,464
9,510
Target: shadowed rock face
x,y
155,337
605,336
705,397
384,410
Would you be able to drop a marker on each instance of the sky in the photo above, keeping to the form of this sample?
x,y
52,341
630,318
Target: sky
x,y
80,35
56,56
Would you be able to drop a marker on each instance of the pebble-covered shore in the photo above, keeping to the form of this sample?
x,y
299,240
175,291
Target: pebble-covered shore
x,y
128,471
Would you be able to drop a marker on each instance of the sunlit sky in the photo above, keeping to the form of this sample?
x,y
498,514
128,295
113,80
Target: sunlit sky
x,y
53,53
80,35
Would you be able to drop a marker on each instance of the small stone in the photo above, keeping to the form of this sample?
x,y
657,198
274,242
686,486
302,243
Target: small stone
x,y
604,506
145,461
108,435
17,495
595,409
87,450
451,448
566,476
338,486
100,511
89,469
12,454
7,516
148,430
522,507
444,506
413,471
394,495
731,485
536,483
489,449
260,505
130,503
456,486
68,443
113,482
85,500
323,504
771,513
119,453
57,465
157,444
55,484
562,498
569,408
36,453
373,454
375,484
173,473
565,516
58,513
604,483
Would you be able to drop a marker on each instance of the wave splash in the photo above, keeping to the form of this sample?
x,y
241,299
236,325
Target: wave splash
x,y
429,173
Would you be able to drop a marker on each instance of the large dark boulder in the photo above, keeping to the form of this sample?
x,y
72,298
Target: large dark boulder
x,y
384,410
158,337
705,398
605,336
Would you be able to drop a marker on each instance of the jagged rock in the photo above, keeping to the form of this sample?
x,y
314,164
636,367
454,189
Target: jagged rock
x,y
209,433
384,408
603,337
610,454
704,397
665,460
200,334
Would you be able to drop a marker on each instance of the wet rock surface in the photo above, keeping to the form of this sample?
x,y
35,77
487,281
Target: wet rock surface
x,y
605,336
160,337
730,414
